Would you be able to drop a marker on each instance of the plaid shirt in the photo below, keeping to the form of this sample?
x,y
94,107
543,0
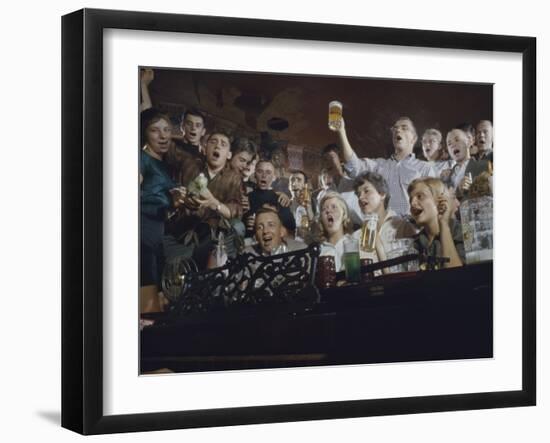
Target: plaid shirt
x,y
398,173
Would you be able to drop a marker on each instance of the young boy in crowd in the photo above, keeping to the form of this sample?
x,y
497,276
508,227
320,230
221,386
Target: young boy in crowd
x,y
300,202
208,208
186,156
243,152
265,195
244,155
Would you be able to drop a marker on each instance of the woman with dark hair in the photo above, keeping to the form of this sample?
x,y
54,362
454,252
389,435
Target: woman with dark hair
x,y
374,197
156,190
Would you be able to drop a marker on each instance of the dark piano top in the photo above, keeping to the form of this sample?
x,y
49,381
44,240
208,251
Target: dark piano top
x,y
432,315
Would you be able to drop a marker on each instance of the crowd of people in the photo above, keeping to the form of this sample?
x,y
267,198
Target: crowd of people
x,y
208,197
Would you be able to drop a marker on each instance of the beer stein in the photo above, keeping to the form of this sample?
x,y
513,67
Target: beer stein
x,y
334,115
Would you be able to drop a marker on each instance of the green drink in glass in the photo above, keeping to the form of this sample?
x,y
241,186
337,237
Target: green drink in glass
x,y
352,263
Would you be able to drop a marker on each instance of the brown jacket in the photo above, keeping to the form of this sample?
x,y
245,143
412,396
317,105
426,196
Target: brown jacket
x,y
184,162
226,186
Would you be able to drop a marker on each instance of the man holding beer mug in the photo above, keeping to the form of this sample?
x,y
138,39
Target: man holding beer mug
x,y
399,170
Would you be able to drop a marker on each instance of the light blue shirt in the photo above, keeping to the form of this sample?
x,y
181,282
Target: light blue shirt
x,y
398,173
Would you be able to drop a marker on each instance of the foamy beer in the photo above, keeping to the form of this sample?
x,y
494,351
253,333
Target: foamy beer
x,y
334,115
368,233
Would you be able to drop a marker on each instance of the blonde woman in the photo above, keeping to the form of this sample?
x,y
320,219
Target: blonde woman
x,y
334,226
432,208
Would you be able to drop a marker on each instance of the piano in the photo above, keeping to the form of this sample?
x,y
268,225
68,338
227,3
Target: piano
x,y
444,314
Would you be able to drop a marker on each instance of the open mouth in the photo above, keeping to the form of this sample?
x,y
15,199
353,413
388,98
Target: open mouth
x,y
416,212
216,155
192,134
330,220
456,152
162,146
263,183
398,138
267,240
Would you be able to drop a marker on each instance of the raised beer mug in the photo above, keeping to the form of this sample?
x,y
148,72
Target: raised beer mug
x,y
334,115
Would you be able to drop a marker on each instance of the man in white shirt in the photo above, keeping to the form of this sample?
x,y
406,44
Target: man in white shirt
x,y
399,170
270,235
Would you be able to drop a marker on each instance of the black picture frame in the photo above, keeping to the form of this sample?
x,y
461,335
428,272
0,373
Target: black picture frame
x,y
82,218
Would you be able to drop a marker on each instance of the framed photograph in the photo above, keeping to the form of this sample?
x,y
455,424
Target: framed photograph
x,y
270,221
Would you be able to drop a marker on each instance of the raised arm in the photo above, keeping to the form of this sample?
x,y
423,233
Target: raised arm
x,y
146,76
347,150
353,165
448,247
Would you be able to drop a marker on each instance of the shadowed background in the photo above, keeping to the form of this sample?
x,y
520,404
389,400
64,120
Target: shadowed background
x,y
293,109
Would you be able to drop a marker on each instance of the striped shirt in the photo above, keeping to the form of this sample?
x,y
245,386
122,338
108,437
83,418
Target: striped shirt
x,y
398,173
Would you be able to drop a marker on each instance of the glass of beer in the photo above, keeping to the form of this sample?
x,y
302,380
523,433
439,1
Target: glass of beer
x,y
334,115
352,264
368,233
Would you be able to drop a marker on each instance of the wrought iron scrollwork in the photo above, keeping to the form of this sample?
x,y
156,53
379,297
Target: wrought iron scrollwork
x,y
174,274
249,280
